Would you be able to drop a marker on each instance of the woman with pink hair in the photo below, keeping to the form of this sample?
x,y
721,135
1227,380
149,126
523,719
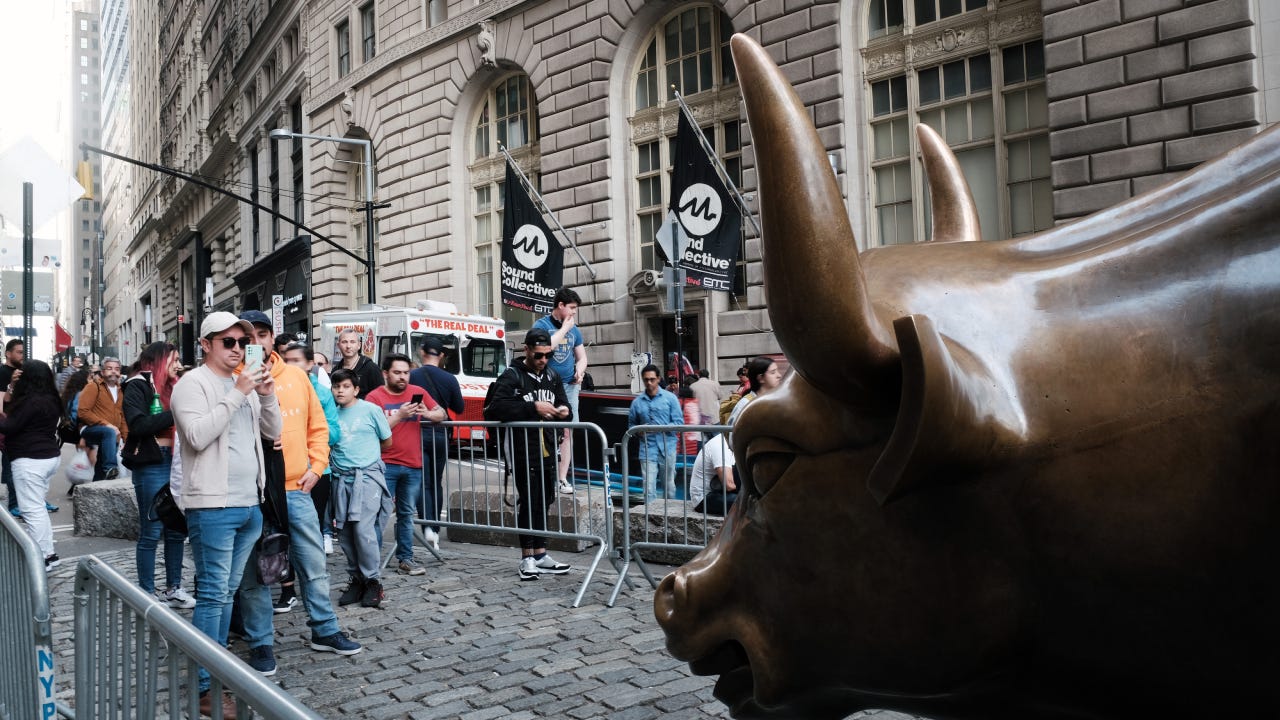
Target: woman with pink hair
x,y
149,454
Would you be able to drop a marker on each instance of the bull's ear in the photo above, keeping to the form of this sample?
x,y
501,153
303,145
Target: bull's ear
x,y
952,420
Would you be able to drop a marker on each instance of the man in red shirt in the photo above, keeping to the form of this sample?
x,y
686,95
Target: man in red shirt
x,y
405,405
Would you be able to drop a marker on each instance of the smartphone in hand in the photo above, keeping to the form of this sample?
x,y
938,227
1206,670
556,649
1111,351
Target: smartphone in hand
x,y
253,356
417,398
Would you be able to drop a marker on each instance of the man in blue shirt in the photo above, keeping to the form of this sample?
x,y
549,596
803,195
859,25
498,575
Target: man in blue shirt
x,y
656,406
443,387
570,363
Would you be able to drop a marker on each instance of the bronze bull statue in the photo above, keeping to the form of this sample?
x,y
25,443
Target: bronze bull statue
x,y
1030,478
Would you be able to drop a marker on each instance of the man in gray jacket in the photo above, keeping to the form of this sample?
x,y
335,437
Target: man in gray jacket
x,y
221,413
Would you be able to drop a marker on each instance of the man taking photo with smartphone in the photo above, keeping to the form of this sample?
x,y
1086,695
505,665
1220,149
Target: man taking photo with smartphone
x,y
405,406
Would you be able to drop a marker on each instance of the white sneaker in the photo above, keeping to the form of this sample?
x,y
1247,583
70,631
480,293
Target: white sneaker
x,y
328,544
433,538
548,566
178,598
528,570
566,487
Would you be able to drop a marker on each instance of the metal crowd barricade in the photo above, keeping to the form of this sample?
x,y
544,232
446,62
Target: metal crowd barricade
x,y
476,494
136,658
26,638
670,524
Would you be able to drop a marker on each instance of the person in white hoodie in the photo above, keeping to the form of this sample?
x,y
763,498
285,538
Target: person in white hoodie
x,y
221,414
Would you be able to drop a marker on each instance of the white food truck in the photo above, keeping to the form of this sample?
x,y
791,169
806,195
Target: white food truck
x,y
475,346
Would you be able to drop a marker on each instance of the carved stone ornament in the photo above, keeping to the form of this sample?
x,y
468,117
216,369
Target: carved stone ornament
x,y
484,42
462,22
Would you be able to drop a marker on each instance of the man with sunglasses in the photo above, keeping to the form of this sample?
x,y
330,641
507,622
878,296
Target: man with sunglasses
x,y
303,448
531,391
221,412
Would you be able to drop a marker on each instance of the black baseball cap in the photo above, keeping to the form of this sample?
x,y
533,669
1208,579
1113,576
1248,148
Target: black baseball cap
x,y
433,346
537,337
257,317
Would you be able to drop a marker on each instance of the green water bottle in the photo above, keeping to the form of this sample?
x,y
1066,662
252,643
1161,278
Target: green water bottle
x,y
156,406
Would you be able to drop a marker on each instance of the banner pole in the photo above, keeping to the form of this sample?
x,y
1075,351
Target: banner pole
x,y
715,160
528,186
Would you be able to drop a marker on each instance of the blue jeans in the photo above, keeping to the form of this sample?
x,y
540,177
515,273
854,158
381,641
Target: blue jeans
x,y
310,573
435,453
105,439
147,481
221,541
404,483
649,469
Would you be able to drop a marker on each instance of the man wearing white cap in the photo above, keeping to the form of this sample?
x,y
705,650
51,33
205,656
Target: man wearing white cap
x,y
221,414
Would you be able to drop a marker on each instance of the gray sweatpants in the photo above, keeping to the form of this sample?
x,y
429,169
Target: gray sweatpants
x,y
361,506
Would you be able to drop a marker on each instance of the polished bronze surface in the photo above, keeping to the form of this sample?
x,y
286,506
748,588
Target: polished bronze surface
x,y
1030,478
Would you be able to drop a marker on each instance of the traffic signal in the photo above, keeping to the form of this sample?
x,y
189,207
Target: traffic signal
x,y
84,174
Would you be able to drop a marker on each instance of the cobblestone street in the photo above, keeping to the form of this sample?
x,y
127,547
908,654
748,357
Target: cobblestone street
x,y
469,640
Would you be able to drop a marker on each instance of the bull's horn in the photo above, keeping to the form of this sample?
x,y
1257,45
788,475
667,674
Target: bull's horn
x,y
955,216
817,294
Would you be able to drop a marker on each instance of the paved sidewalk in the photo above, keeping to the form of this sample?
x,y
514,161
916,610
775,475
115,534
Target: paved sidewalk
x,y
468,640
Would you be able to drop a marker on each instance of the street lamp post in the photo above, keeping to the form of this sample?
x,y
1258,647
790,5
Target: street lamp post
x,y
283,134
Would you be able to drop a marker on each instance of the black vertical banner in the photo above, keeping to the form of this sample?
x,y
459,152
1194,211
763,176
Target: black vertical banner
x,y
532,259
706,212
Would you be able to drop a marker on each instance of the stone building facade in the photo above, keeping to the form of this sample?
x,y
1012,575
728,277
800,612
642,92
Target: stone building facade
x,y
1055,108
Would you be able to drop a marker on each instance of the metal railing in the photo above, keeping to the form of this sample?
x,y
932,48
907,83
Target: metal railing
x,y
669,522
478,490
26,637
136,658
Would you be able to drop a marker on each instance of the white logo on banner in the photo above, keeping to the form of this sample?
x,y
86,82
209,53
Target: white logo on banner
x,y
699,209
530,246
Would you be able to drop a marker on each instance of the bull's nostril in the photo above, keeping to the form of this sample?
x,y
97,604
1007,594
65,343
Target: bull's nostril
x,y
669,597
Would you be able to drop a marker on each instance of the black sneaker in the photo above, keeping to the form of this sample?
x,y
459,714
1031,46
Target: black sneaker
x,y
285,603
112,474
354,591
373,594
263,660
335,643
51,562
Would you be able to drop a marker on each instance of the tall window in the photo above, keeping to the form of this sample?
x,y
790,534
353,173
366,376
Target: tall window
x,y
688,50
273,182
437,12
508,118
984,95
357,237
254,224
342,31
295,158
369,43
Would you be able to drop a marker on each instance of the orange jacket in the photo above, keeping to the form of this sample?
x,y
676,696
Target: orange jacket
x,y
305,437
97,408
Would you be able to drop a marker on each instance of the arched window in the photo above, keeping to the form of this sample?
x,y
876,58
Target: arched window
x,y
688,50
507,118
975,75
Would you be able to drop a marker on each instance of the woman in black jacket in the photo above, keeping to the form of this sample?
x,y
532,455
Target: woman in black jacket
x,y
31,439
149,452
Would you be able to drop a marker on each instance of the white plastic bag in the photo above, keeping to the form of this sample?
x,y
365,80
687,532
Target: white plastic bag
x,y
80,470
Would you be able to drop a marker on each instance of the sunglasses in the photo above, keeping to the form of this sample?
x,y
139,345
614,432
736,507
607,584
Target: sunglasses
x,y
541,355
228,343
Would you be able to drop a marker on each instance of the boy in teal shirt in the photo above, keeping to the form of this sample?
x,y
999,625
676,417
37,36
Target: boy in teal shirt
x,y
361,501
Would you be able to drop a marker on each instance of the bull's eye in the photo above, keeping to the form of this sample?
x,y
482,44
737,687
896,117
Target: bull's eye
x,y
767,460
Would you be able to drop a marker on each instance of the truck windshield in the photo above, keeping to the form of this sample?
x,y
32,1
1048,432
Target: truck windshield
x,y
480,357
